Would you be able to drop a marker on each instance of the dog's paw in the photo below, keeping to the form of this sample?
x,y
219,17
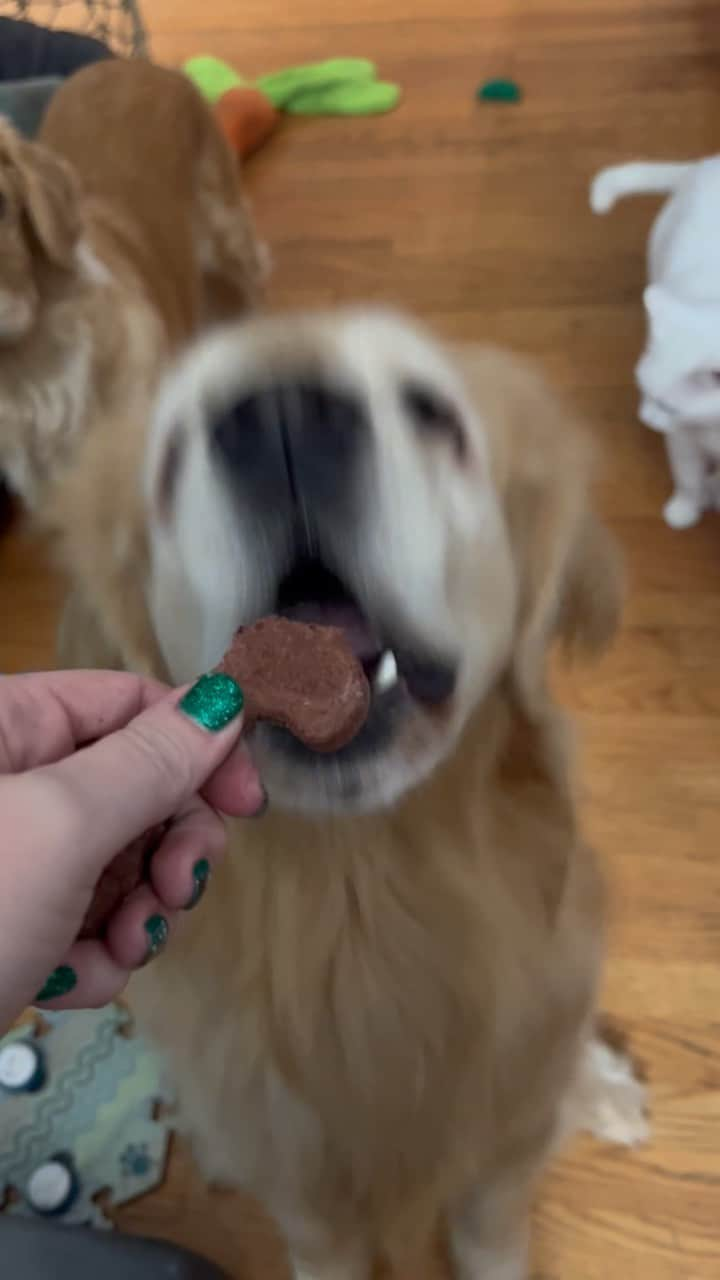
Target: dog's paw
x,y
681,512
655,415
608,1100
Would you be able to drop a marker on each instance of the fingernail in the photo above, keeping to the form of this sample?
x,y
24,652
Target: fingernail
x,y
60,983
157,932
201,874
214,701
263,805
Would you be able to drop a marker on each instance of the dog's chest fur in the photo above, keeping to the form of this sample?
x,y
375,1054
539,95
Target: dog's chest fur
x,y
355,991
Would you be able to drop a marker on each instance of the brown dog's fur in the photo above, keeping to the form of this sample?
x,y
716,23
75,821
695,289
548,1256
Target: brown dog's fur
x,y
162,196
375,1019
124,230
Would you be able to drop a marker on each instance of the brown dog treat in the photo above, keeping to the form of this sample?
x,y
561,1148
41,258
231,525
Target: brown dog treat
x,y
301,676
126,871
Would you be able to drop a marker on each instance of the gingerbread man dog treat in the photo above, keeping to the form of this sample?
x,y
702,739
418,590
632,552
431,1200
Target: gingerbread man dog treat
x,y
300,676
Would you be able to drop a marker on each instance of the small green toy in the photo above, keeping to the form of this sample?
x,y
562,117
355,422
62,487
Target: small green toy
x,y
499,91
337,87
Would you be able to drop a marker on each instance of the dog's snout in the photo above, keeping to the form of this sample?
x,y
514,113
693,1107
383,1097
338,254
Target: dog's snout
x,y
296,442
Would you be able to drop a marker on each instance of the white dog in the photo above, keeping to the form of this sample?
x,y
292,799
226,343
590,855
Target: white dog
x,y
679,371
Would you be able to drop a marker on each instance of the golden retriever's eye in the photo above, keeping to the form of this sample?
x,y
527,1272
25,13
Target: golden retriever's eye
x,y
431,414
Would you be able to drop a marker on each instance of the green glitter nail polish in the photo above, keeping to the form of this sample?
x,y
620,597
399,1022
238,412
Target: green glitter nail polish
x,y
157,931
214,701
201,875
61,981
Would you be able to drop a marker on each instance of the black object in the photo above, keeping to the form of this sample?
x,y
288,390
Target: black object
x,y
25,102
30,52
34,61
35,1250
7,506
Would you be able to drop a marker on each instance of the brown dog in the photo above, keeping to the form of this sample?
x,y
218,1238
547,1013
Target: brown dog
x,y
384,1012
122,231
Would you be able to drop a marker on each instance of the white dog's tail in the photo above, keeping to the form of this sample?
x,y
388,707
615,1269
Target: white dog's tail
x,y
638,178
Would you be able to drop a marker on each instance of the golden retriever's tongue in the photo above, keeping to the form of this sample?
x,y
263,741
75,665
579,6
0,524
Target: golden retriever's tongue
x,y
359,634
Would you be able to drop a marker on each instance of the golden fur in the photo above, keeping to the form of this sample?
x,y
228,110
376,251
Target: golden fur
x,y
376,1017
122,230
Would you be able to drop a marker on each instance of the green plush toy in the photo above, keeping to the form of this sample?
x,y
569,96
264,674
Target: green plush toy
x,y
338,87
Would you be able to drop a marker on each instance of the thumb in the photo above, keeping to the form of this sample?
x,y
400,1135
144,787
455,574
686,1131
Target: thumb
x,y
142,774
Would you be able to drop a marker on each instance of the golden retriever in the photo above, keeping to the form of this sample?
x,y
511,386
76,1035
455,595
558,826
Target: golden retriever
x,y
383,1015
122,231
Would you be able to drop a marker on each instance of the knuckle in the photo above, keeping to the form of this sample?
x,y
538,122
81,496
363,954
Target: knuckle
x,y
214,832
163,757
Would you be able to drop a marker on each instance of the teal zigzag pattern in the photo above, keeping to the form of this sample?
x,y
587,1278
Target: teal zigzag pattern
x,y
32,1140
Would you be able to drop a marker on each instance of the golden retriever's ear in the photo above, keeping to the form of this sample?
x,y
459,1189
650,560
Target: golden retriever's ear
x,y
49,194
569,572
568,565
591,605
52,202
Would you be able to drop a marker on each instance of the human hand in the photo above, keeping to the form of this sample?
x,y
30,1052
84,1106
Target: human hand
x,y
66,809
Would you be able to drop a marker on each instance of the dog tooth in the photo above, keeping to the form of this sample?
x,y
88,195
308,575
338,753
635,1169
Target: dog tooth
x,y
387,672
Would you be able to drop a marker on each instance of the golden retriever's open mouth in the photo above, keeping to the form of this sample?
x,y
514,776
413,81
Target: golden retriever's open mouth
x,y
332,469
399,676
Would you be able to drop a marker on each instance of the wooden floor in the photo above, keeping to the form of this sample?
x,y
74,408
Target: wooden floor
x,y
476,216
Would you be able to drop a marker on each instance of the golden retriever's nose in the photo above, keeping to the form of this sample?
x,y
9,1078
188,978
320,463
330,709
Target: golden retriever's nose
x,y
296,442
